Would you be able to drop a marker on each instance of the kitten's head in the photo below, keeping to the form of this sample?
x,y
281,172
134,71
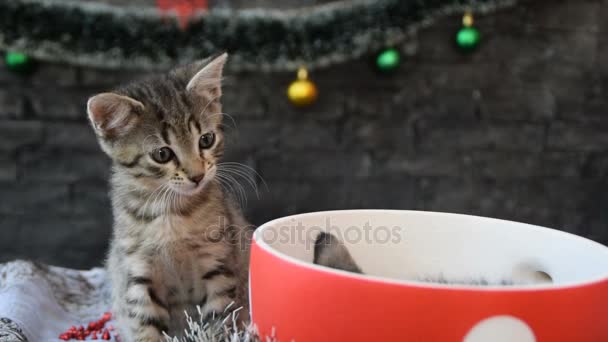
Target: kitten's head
x,y
165,130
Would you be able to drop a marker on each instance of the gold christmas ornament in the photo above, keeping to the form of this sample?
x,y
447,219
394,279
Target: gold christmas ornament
x,y
302,92
467,19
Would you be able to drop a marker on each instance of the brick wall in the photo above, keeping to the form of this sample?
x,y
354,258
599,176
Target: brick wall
x,y
516,130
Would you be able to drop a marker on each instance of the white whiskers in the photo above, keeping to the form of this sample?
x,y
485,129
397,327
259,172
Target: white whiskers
x,y
152,198
228,175
162,201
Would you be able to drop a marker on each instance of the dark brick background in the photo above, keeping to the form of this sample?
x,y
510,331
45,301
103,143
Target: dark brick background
x,y
516,130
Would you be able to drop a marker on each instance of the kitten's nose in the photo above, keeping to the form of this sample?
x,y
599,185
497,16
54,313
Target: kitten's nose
x,y
196,179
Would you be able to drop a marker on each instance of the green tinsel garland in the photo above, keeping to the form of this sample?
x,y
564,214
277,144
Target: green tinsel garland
x,y
99,35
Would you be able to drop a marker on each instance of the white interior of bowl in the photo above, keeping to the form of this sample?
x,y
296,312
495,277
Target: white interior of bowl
x,y
406,246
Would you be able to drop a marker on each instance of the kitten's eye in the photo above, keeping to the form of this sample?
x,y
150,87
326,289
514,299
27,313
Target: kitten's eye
x,y
162,155
206,140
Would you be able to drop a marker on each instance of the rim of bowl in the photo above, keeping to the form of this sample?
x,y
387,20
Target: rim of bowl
x,y
422,284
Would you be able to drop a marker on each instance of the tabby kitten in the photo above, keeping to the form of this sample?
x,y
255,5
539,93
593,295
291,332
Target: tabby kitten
x,y
178,240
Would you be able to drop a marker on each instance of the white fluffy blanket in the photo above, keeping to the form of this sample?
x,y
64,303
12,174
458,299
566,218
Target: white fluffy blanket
x,y
39,302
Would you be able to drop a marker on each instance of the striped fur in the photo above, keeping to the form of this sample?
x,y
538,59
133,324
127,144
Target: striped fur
x,y
165,255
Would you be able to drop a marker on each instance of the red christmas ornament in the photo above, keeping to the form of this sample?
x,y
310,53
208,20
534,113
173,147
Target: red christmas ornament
x,y
184,9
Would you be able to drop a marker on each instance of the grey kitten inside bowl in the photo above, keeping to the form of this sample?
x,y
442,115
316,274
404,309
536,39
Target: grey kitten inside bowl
x,y
356,274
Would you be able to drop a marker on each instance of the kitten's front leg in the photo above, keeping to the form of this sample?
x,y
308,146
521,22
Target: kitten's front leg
x,y
142,313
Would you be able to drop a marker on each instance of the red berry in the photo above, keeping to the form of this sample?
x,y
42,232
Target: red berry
x,y
106,335
94,336
64,337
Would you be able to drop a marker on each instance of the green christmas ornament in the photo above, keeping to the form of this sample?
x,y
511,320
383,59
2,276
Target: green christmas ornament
x,y
467,38
17,61
388,59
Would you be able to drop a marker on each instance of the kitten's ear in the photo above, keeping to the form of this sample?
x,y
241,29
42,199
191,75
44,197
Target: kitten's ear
x,y
331,252
113,115
209,78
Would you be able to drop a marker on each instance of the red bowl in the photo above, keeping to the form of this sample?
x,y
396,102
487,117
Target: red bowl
x,y
297,300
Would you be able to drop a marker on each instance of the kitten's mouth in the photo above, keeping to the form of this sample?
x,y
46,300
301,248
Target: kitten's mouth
x,y
193,188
